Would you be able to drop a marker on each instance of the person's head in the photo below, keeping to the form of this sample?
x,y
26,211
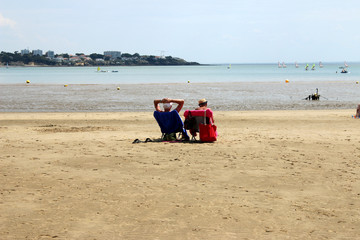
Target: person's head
x,y
167,107
202,102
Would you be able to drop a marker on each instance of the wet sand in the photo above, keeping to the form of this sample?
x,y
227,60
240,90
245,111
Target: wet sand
x,y
270,175
139,97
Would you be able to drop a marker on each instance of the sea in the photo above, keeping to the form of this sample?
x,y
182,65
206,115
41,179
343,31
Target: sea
x,y
133,88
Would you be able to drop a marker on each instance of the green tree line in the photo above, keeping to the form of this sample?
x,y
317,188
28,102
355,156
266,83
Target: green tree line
x,y
126,59
17,58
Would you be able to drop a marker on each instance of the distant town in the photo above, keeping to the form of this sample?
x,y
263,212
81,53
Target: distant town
x,y
109,58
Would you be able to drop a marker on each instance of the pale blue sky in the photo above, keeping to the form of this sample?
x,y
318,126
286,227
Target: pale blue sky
x,y
218,31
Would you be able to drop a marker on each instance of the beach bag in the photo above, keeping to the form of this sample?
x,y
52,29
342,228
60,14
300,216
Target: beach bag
x,y
207,131
190,122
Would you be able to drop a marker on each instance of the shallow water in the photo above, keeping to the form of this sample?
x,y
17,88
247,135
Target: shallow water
x,y
176,74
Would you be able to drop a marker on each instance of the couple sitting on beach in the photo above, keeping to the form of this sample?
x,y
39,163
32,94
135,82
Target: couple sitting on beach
x,y
172,120
167,104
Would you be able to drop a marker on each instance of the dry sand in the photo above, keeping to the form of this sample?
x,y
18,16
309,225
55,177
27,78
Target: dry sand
x,y
270,175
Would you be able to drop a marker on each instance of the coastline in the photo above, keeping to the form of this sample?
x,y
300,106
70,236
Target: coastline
x,y
271,174
224,96
106,66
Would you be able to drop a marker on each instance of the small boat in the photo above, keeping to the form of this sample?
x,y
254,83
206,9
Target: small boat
x,y
99,70
114,71
296,65
229,66
320,64
283,65
307,67
279,65
344,70
313,67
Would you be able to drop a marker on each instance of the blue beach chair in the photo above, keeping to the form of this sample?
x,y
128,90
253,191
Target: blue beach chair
x,y
169,123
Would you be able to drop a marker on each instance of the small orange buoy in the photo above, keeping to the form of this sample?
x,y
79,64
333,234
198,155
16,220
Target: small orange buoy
x,y
287,81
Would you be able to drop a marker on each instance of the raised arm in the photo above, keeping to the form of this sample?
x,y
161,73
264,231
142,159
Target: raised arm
x,y
180,103
156,104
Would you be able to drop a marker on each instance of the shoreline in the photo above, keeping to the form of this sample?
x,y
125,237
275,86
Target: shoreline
x,y
35,97
196,64
186,83
35,114
105,113
95,66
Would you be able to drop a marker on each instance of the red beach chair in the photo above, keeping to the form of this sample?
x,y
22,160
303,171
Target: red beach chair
x,y
193,119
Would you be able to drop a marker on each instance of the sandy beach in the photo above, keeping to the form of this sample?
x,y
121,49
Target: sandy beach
x,y
271,175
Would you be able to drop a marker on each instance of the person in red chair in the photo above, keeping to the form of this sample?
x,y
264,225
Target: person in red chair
x,y
357,115
167,104
202,104
196,119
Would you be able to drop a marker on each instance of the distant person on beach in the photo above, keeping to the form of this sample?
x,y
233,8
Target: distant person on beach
x,y
167,104
357,115
202,104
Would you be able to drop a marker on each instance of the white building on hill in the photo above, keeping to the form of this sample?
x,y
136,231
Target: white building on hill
x,y
50,54
112,54
37,52
25,51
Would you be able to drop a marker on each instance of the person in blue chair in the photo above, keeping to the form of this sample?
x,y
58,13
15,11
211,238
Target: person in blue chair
x,y
167,104
170,121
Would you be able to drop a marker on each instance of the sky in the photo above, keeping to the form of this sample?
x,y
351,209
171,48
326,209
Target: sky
x,y
204,31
